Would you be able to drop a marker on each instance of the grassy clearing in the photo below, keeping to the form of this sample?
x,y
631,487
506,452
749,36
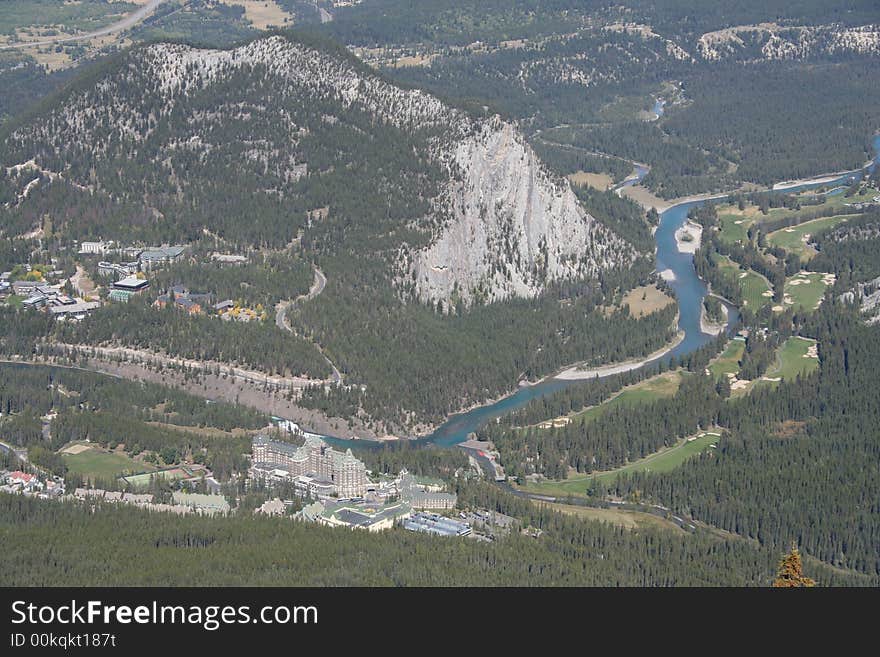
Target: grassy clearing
x,y
646,299
728,362
644,392
617,517
795,357
143,480
600,181
734,223
262,13
804,290
97,463
664,460
794,239
754,286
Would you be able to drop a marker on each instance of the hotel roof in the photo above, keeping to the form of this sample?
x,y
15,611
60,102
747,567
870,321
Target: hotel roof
x,y
131,283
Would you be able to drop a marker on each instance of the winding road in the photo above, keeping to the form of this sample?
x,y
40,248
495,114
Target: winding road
x,y
283,323
135,17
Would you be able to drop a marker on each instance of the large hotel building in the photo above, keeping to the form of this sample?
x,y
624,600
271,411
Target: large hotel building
x,y
314,466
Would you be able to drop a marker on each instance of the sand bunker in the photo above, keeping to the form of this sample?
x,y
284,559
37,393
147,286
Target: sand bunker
x,y
76,449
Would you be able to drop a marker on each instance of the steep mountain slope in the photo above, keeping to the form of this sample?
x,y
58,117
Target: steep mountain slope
x,y
419,214
513,226
197,139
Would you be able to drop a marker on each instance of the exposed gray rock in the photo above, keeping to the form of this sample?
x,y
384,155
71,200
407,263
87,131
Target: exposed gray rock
x,y
869,294
502,225
513,228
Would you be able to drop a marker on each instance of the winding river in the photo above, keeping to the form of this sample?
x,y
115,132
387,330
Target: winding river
x,y
689,292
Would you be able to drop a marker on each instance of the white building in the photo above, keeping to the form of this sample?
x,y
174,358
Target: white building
x,y
93,248
315,460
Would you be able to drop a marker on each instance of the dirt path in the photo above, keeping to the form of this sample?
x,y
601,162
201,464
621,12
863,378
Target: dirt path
x,y
153,358
266,398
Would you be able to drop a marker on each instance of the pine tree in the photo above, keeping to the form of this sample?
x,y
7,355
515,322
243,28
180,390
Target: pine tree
x,y
790,573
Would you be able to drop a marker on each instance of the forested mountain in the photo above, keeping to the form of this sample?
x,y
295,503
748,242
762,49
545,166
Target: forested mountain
x,y
436,225
192,140
597,68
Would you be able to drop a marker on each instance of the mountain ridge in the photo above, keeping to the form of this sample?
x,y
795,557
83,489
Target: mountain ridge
x,y
182,108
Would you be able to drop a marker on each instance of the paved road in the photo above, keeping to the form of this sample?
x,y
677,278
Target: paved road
x,y
131,20
686,523
20,453
318,286
281,315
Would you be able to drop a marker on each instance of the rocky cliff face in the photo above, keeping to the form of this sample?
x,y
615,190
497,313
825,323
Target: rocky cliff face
x,y
869,295
512,227
769,41
500,224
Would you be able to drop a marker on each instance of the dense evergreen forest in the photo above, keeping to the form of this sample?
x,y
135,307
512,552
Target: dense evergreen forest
x,y
341,199
737,116
45,388
109,412
799,461
461,22
55,544
851,250
257,344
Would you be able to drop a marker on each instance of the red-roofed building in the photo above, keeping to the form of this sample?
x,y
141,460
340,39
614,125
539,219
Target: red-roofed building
x,y
19,477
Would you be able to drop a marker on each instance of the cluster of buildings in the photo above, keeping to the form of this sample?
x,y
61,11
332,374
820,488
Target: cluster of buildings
x,y
228,259
29,484
318,471
125,288
129,279
182,503
356,514
117,270
364,514
183,299
141,259
431,523
49,298
315,468
422,494
232,312
337,481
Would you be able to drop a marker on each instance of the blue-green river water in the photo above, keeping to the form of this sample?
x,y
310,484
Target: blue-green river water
x,y
689,293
